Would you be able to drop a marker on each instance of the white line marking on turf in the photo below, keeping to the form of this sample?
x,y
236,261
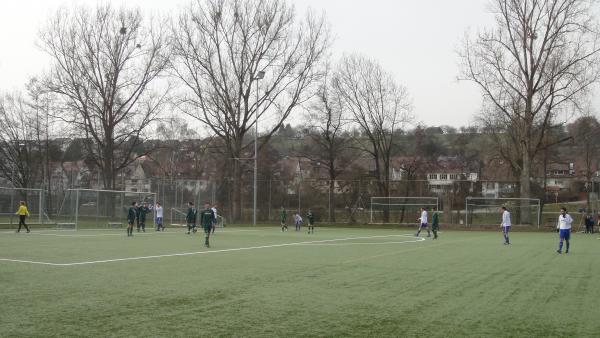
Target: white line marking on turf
x,y
203,252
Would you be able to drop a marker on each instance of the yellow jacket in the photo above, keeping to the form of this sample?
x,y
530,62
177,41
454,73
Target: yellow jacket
x,y
22,211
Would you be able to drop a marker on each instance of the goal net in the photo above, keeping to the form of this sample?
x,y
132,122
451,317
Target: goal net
x,y
178,215
10,199
92,209
399,210
487,211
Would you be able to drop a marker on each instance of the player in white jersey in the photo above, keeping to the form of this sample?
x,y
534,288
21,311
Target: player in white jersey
x,y
214,223
423,223
159,217
564,229
505,224
297,221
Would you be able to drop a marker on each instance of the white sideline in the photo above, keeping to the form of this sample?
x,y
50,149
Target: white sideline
x,y
206,252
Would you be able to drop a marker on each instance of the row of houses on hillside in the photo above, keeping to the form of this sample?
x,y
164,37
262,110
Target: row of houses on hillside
x,y
435,176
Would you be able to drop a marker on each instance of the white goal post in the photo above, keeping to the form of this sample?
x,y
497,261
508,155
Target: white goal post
x,y
486,210
99,208
400,209
10,198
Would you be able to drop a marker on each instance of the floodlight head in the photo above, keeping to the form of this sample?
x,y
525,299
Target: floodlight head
x,y
260,75
123,30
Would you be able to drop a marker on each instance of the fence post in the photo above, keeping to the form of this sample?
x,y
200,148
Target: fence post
x,y
98,207
41,220
269,198
467,212
76,208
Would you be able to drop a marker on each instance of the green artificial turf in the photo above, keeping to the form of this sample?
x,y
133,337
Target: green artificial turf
x,y
255,282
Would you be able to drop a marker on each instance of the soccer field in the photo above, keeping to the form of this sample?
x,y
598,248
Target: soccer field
x,y
261,282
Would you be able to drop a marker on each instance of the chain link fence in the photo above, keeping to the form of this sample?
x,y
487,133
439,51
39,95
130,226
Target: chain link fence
x,y
338,202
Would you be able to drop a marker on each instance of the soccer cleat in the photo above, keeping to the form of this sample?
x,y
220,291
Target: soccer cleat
x,y
558,251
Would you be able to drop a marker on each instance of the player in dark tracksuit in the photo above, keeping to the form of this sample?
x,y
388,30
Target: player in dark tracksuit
x,y
190,217
435,223
283,217
207,217
131,217
142,212
311,221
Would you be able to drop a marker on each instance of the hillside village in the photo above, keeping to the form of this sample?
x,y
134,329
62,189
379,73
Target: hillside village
x,y
451,165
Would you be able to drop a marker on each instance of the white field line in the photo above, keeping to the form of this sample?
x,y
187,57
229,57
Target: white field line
x,y
365,243
203,252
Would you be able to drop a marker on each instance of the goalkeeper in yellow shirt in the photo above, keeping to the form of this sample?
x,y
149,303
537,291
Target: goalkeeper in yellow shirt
x,y
23,214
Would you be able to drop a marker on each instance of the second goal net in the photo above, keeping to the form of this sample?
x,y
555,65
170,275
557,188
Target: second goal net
x,y
10,199
400,210
487,211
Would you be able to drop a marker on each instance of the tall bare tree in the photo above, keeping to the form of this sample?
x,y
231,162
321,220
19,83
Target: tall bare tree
x,y
105,64
221,46
538,61
331,144
585,131
21,152
379,106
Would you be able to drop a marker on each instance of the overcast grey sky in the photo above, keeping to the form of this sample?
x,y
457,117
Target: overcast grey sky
x,y
414,39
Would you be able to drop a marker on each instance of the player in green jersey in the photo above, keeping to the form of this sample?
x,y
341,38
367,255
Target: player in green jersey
x,y
131,217
435,223
190,217
142,212
206,220
283,217
311,221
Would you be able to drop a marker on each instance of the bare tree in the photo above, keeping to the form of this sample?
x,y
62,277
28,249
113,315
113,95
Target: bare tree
x,y
585,131
331,145
20,148
105,62
220,48
538,61
379,106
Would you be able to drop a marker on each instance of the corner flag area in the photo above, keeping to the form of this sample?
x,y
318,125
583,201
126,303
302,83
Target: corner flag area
x,y
262,282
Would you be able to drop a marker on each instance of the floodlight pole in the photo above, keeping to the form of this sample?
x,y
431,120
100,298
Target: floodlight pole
x,y
259,75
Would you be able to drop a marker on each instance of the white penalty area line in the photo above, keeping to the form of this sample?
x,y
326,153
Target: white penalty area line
x,y
418,239
206,252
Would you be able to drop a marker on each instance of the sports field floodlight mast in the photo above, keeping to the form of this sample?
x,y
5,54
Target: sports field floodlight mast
x,y
257,77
